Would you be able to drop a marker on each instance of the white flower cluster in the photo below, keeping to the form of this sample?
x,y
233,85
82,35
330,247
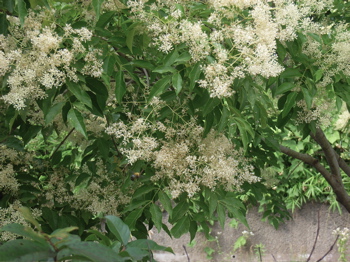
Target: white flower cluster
x,y
12,215
343,119
320,112
183,157
99,195
34,58
344,233
8,159
239,35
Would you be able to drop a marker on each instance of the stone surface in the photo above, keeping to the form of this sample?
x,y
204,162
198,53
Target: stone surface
x,y
293,241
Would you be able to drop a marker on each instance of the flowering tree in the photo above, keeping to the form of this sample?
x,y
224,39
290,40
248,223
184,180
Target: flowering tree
x,y
133,107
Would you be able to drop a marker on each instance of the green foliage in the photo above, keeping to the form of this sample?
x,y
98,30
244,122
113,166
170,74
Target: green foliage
x,y
61,245
105,120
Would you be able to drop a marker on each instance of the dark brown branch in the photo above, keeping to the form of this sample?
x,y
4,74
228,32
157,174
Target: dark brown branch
x,y
343,165
307,159
116,147
317,233
6,12
333,180
328,151
188,258
329,249
62,142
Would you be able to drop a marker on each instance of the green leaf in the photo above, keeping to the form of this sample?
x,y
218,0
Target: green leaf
x,y
209,121
148,244
53,112
194,75
119,229
142,64
51,217
159,87
104,239
83,177
273,143
289,103
96,4
8,5
142,191
120,88
281,51
137,254
213,202
105,19
241,241
30,133
108,64
24,250
224,119
63,232
166,202
262,115
130,35
183,58
181,227
244,129
210,105
307,97
131,219
22,10
318,75
284,88
290,73
157,216
28,216
79,93
3,24
76,120
221,215
164,69
179,211
35,3
193,230
93,252
24,231
171,58
135,204
177,82
235,207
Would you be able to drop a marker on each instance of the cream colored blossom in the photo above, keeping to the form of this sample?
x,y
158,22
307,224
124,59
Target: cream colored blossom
x,y
184,157
37,61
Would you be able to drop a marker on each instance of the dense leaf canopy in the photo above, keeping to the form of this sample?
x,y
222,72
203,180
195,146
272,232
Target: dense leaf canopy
x,y
197,108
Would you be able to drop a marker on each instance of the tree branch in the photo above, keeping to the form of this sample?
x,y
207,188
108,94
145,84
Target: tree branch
x,y
343,165
328,151
62,142
336,184
307,159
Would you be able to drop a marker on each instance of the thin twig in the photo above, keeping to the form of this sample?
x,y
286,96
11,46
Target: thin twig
x,y
70,132
116,147
188,258
273,257
317,233
147,76
259,253
329,249
150,252
113,140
